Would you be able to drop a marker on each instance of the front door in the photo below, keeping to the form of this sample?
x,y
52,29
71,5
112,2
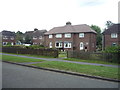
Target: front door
x,y
81,46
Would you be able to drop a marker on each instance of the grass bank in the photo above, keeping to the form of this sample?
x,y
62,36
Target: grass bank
x,y
19,59
108,72
90,61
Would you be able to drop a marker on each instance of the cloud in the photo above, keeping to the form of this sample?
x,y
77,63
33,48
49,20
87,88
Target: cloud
x,y
90,3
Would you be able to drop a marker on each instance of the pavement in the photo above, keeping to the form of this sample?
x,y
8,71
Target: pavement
x,y
57,59
16,76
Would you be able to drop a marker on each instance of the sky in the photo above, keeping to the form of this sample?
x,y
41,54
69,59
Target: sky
x,y
25,15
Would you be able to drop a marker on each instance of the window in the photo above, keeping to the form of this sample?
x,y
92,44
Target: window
x,y
113,35
81,35
58,44
50,44
50,36
67,44
34,38
58,35
5,37
114,44
40,37
67,35
5,43
12,38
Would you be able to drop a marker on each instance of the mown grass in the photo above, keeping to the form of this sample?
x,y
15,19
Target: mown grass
x,y
108,72
90,61
62,54
19,59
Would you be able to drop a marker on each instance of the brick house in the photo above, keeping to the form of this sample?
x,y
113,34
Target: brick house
x,y
8,37
111,36
38,37
71,37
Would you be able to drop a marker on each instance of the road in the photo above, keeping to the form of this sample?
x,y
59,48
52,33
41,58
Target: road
x,y
15,76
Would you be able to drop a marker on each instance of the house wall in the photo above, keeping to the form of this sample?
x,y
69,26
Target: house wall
x,y
9,40
38,41
88,40
108,40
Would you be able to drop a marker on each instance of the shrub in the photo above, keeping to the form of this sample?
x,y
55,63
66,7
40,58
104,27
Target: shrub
x,y
112,49
35,46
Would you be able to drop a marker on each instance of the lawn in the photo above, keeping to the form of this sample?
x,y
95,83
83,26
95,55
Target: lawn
x,y
19,59
108,72
90,61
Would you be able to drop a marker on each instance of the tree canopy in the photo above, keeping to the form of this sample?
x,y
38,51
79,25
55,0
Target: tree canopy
x,y
99,35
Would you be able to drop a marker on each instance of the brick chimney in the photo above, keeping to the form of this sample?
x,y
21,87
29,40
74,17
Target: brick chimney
x,y
68,23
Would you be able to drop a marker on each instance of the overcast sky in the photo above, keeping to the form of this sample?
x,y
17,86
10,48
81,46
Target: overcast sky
x,y
25,15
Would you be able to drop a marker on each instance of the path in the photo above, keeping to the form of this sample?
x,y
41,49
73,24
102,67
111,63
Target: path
x,y
57,59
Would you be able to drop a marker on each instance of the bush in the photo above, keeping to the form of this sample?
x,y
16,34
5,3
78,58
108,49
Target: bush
x,y
112,49
35,46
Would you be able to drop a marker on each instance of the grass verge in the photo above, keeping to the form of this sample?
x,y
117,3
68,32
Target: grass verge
x,y
108,72
90,61
19,59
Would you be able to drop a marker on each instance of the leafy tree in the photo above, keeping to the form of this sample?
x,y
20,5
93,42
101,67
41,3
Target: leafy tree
x,y
28,40
99,35
19,36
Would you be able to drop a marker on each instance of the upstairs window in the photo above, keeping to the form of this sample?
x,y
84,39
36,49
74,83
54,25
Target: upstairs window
x,y
113,35
12,38
68,35
50,36
34,38
58,35
81,35
5,37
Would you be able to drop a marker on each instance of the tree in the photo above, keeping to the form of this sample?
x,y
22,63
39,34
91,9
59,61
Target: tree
x,y
99,35
28,40
19,37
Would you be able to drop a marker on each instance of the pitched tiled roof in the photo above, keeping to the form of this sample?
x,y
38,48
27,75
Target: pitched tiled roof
x,y
71,29
38,33
115,28
8,33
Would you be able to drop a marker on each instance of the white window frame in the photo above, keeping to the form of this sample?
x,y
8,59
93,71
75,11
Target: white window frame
x,y
60,45
40,37
68,35
68,46
12,38
34,38
51,36
50,45
81,35
114,44
114,35
5,37
58,35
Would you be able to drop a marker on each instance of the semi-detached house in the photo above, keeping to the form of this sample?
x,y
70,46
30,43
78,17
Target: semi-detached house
x,y
71,37
111,36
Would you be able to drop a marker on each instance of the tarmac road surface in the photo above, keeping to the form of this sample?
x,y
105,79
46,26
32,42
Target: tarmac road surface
x,y
15,76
